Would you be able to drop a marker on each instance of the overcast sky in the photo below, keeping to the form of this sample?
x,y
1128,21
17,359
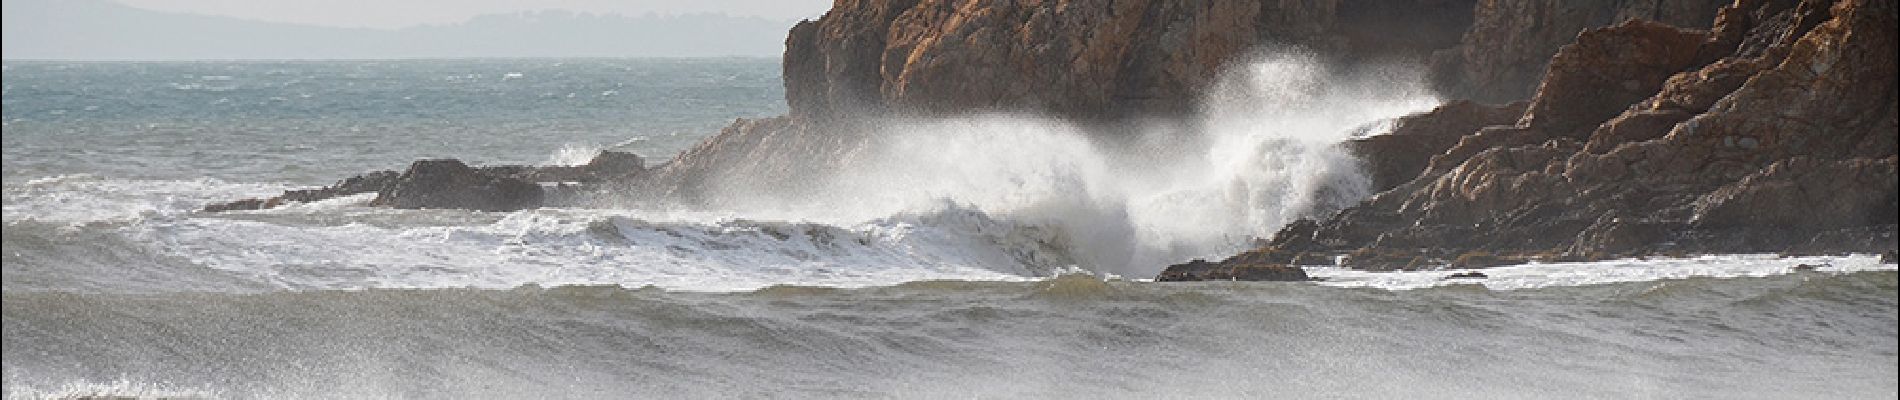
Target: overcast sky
x,y
373,29
404,13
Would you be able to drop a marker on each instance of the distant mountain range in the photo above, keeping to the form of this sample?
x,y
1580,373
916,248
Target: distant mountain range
x,y
104,30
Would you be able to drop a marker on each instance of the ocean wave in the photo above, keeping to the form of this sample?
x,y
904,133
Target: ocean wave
x,y
144,236
1828,334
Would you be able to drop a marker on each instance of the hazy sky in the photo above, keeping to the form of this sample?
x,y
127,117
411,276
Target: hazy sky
x,y
402,13
336,29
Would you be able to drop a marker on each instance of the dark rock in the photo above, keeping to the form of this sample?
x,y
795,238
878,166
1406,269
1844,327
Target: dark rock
x,y
1399,156
1504,54
1775,130
1313,259
1386,259
615,163
1806,194
608,166
1809,267
1077,60
1250,266
1467,275
365,183
448,183
1484,259
244,204
1889,257
1605,71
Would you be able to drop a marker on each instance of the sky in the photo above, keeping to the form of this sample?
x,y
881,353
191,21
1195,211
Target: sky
x,y
382,29
390,14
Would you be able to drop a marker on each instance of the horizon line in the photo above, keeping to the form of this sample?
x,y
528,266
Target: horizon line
x,y
417,58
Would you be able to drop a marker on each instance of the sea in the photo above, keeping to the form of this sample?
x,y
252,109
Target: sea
x,y
980,256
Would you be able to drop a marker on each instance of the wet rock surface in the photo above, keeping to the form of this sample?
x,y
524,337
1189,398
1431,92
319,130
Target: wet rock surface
x,y
1250,266
1772,131
1085,60
450,183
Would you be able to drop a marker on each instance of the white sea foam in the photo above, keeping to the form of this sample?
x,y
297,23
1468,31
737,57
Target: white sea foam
x,y
1261,153
1530,276
344,244
572,154
556,247
84,198
119,389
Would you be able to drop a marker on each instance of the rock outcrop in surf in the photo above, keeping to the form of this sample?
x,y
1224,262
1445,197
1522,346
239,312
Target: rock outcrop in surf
x,y
1774,131
452,184
1577,130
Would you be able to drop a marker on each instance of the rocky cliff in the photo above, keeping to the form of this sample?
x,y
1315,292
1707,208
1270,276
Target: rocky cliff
x,y
1773,131
1106,61
1503,55
1093,60
1076,59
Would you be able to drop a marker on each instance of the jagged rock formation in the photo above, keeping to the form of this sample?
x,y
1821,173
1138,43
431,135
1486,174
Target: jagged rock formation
x,y
1399,156
1774,131
1092,60
1504,54
1089,61
1258,265
1077,59
450,183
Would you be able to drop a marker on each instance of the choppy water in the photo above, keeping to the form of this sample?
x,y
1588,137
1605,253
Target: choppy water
x,y
115,285
312,122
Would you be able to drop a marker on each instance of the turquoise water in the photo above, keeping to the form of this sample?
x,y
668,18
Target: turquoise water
x,y
311,122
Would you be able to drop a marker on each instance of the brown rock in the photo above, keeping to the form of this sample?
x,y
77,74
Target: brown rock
x,y
1805,194
1485,259
448,183
1605,71
365,183
1386,260
1397,157
1503,56
1201,270
1466,275
1313,259
1774,131
1089,60
487,188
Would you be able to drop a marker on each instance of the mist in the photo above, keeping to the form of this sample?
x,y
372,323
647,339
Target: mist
x,y
1261,152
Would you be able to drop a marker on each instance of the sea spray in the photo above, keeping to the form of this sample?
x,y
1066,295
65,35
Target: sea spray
x,y
1261,152
979,197
572,154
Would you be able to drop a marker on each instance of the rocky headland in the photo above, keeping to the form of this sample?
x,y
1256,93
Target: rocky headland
x,y
1772,131
1578,130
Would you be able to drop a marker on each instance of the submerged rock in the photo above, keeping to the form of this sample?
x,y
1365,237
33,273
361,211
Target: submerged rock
x,y
1467,275
1251,266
